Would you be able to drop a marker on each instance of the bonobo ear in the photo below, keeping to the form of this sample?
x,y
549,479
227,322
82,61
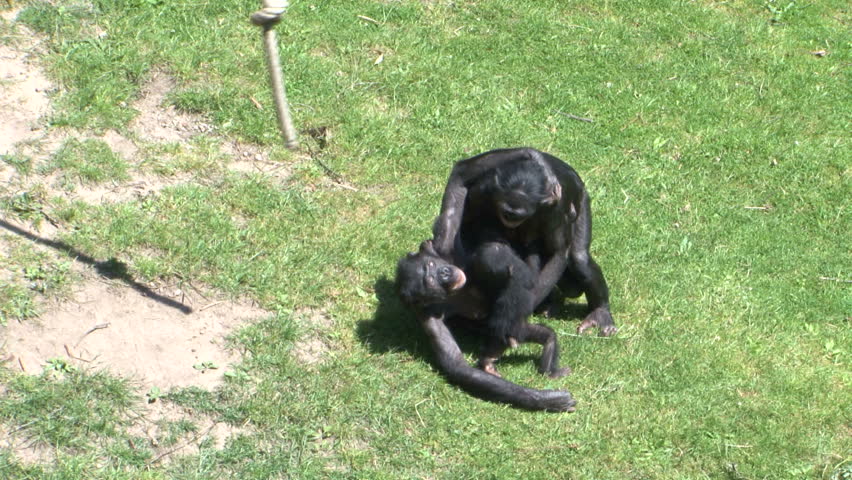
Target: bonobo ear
x,y
554,194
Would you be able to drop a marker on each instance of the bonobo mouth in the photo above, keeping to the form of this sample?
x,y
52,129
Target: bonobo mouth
x,y
511,223
460,281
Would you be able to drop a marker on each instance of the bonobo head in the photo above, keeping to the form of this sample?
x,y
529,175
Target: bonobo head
x,y
424,278
518,189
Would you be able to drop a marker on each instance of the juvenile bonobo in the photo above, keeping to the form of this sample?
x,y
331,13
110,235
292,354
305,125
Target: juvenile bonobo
x,y
499,274
438,290
541,206
495,272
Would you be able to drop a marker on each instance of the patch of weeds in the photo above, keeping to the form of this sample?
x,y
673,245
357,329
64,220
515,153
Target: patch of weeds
x,y
147,3
68,19
107,72
58,366
16,302
202,155
842,472
153,394
176,430
30,272
205,365
27,205
195,398
781,9
89,161
22,164
69,410
43,271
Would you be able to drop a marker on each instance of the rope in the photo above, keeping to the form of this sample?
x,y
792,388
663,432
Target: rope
x,y
267,17
271,12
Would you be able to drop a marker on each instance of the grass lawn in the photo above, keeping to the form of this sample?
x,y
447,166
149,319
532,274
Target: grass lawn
x,y
718,160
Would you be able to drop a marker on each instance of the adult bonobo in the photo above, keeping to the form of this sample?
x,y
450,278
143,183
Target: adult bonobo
x,y
541,206
438,290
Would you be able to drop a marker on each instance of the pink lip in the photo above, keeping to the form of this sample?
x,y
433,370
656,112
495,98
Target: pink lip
x,y
461,281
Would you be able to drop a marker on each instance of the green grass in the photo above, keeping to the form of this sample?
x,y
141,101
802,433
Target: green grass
x,y
30,275
90,161
733,356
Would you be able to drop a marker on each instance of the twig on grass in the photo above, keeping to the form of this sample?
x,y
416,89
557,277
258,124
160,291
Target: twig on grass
x,y
188,442
574,117
418,411
368,19
834,279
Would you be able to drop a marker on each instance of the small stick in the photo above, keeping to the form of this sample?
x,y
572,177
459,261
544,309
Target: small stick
x,y
190,441
574,117
834,279
418,411
368,19
210,306
764,208
96,327
68,351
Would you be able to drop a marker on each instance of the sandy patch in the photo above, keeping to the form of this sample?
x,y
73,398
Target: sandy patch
x,y
312,348
24,448
23,97
109,326
161,122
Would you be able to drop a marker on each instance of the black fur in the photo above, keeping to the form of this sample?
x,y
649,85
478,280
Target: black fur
x,y
549,220
416,276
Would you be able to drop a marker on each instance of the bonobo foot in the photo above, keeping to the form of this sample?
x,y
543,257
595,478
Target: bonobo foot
x,y
601,318
486,364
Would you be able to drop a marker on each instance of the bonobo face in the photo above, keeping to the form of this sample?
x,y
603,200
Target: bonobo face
x,y
424,278
514,208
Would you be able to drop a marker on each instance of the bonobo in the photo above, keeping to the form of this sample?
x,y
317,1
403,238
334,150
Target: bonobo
x,y
438,290
541,206
495,272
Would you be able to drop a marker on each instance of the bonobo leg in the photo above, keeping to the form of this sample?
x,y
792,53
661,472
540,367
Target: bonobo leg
x,y
454,366
588,275
523,333
546,337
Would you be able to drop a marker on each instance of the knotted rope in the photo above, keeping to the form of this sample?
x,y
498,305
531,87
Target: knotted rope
x,y
267,17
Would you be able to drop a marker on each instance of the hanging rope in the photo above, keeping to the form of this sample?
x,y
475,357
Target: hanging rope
x,y
267,17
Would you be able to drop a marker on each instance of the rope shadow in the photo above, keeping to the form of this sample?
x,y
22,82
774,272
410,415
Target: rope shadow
x,y
112,268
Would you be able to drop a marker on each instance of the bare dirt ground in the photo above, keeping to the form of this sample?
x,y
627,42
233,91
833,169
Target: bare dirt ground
x,y
107,324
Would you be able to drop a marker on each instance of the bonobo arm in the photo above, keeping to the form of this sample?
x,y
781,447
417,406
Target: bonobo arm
x,y
485,385
550,274
452,205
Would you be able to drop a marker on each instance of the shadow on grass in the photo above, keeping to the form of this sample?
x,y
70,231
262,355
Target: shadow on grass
x,y
111,268
394,326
